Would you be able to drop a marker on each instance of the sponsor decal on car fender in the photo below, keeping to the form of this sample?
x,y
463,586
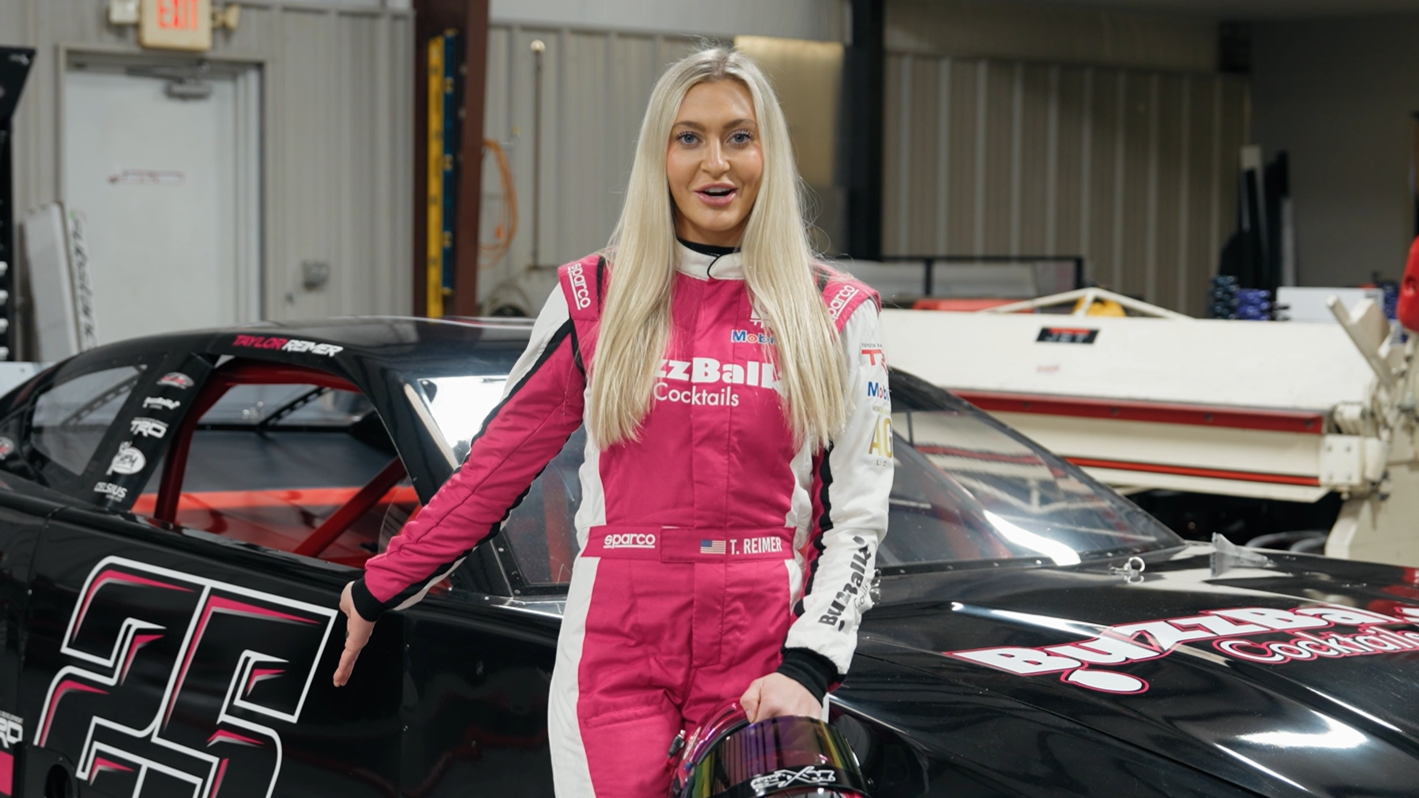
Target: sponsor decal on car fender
x,y
1305,633
179,679
159,402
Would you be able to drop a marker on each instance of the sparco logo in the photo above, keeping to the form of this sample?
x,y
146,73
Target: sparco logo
x,y
845,295
629,540
576,277
783,778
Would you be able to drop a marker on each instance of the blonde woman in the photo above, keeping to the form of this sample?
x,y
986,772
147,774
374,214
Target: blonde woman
x,y
738,455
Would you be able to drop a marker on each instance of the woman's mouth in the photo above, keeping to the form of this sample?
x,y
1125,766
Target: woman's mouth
x,y
718,195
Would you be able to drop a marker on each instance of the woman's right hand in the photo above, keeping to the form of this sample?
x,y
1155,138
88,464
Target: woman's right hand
x,y
357,633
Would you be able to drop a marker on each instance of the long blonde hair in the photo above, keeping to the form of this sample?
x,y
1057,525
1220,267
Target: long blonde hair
x,y
778,268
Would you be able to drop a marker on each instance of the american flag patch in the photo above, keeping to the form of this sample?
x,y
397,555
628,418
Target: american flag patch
x,y
711,547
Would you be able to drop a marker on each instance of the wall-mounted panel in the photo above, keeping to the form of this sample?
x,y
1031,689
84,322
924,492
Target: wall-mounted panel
x,y
1134,170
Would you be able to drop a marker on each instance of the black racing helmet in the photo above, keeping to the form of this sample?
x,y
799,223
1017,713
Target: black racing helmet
x,y
729,757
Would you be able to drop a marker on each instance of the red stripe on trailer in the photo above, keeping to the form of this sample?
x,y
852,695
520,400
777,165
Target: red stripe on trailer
x,y
1301,421
1188,471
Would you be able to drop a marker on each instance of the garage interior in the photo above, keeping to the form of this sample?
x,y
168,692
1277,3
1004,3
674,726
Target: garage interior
x,y
1169,248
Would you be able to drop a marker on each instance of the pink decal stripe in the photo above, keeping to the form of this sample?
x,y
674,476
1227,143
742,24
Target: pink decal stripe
x,y
221,774
259,675
224,736
66,686
226,606
138,642
102,765
117,576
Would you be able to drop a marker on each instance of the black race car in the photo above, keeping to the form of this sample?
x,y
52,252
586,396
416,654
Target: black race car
x,y
178,515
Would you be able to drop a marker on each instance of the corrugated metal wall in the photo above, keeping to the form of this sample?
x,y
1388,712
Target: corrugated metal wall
x,y
336,134
1134,170
595,86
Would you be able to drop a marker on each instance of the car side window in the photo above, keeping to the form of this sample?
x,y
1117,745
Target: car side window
x,y
541,530
71,417
298,468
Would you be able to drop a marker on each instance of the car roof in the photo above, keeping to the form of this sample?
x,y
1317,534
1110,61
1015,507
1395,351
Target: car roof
x,y
396,342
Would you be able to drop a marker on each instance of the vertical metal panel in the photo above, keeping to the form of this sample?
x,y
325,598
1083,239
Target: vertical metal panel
x,y
921,210
896,151
1134,199
1135,170
1169,170
1067,204
943,156
1104,145
1036,112
999,121
962,198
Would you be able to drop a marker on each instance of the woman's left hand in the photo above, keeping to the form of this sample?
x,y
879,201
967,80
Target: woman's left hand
x,y
776,696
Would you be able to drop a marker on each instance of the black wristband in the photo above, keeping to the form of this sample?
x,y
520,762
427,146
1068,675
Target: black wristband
x,y
810,669
369,607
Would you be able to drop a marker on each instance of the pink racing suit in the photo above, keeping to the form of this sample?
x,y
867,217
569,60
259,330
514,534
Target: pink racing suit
x,y
713,550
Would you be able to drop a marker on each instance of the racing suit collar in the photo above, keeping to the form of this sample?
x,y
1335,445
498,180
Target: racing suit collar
x,y
704,262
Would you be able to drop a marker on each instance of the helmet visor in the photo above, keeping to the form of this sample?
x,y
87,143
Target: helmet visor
x,y
780,756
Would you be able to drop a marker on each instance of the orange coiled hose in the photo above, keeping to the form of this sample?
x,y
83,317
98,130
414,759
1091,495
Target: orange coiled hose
x,y
506,227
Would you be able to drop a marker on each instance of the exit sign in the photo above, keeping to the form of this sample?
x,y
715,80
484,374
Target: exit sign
x,y
176,24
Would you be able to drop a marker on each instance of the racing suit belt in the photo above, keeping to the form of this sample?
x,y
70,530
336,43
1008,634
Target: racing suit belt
x,y
689,544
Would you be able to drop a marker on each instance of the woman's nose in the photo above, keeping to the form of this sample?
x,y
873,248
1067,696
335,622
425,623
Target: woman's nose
x,y
715,163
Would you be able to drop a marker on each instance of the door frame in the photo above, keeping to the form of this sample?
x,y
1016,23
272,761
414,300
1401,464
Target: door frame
x,y
249,189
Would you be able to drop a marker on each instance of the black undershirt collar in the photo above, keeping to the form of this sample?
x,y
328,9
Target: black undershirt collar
x,y
708,250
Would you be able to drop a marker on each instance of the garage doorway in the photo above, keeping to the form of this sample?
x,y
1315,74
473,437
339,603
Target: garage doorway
x,y
163,159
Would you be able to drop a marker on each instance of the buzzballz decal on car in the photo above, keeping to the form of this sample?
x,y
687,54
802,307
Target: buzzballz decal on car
x,y
1287,636
286,345
178,683
176,379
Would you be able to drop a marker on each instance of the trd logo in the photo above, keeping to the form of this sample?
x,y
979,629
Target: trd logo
x,y
12,731
179,683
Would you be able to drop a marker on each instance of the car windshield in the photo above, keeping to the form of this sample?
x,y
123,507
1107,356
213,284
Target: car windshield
x,y
967,489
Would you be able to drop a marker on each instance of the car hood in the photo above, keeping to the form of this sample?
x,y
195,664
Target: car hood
x,y
1285,674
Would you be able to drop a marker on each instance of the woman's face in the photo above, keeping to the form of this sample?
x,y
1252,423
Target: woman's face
x,y
714,162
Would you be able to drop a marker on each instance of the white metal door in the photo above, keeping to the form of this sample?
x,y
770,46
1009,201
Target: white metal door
x,y
163,183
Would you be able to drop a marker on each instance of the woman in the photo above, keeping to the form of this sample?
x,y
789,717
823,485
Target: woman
x,y
738,455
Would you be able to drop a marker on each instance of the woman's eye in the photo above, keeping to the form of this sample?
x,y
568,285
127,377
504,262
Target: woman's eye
x,y
741,137
687,138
